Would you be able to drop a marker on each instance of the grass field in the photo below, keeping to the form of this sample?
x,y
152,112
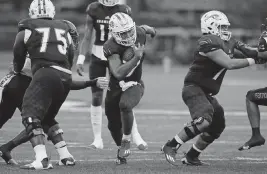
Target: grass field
x,y
160,115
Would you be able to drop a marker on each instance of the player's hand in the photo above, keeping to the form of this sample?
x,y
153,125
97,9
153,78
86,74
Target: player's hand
x,y
80,69
102,82
139,50
153,32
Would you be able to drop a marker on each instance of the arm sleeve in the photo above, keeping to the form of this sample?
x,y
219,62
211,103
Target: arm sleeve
x,y
246,49
19,52
77,85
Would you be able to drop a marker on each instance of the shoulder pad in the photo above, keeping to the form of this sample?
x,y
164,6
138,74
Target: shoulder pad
x,y
24,24
92,8
109,47
209,43
125,9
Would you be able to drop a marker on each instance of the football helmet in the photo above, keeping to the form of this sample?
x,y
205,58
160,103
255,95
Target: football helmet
x,y
216,23
109,3
42,9
73,33
122,29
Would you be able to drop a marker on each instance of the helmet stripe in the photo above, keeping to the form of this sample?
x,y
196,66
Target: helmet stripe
x,y
118,16
123,16
44,6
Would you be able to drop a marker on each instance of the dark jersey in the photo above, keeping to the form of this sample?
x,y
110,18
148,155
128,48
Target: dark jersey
x,y
48,42
112,47
263,42
101,15
203,71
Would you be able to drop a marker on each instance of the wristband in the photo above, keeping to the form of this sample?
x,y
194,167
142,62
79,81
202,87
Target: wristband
x,y
250,61
81,59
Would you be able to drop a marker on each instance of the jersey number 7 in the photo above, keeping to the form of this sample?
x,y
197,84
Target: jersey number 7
x,y
59,35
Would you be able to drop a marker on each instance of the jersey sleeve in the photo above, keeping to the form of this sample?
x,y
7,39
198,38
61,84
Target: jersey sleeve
x,y
262,44
24,24
208,44
107,49
92,9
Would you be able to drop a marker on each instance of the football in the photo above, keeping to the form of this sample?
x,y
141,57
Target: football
x,y
128,54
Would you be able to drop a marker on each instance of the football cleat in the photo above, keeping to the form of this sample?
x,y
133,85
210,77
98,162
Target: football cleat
x,y
124,150
170,153
140,143
38,165
254,141
5,154
97,144
192,161
70,161
120,160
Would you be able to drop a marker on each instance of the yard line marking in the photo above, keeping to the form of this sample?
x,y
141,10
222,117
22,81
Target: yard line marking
x,y
236,159
81,107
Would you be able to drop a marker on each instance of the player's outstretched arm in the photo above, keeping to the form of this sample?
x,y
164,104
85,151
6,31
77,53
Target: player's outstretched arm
x,y
149,30
85,45
246,49
19,52
119,70
222,59
101,82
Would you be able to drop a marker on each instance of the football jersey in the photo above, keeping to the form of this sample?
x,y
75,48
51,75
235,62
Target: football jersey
x,y
47,42
263,42
205,72
112,47
101,15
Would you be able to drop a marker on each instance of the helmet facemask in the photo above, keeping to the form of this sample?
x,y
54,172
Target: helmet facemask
x,y
224,33
125,38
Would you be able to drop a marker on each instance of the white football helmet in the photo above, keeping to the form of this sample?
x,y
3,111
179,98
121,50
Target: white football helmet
x,y
109,3
216,23
42,9
122,29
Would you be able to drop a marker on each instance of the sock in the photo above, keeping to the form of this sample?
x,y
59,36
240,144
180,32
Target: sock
x,y
135,134
21,138
194,152
256,131
40,152
117,136
9,146
176,142
96,121
126,137
62,150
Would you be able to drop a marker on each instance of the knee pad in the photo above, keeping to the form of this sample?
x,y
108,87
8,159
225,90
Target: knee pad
x,y
33,126
54,131
196,126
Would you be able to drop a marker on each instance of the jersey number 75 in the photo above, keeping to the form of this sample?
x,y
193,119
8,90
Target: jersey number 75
x,y
59,33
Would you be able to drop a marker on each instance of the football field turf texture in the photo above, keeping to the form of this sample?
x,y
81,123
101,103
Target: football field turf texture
x,y
160,115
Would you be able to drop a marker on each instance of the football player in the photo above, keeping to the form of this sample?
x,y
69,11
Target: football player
x,y
213,57
97,19
13,89
51,50
257,97
124,52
